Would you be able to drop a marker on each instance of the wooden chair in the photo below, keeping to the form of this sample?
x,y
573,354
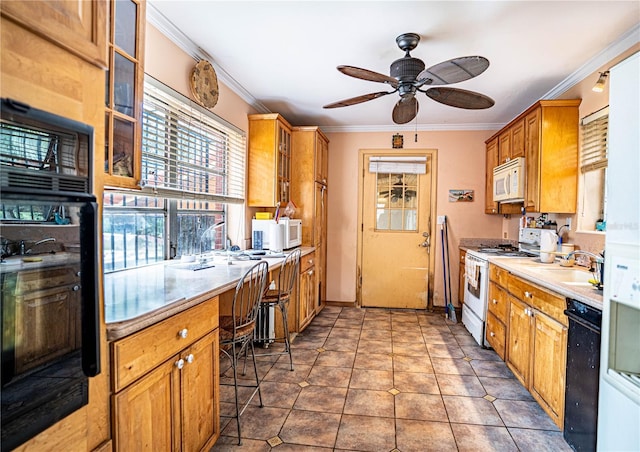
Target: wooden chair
x,y
281,295
236,331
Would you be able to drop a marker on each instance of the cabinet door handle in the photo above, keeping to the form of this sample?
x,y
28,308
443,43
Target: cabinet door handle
x,y
75,288
494,301
492,334
180,363
189,359
183,333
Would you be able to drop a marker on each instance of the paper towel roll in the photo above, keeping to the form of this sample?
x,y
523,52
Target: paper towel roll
x,y
276,237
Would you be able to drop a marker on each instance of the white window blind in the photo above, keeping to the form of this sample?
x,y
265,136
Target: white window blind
x,y
398,164
187,151
594,141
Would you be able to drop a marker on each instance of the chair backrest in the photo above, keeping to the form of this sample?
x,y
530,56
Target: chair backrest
x,y
288,273
247,297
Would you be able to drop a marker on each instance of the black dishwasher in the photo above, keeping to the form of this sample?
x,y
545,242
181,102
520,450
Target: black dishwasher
x,y
583,367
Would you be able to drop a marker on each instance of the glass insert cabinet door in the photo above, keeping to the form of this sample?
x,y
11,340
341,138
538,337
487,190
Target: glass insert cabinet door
x,y
123,94
397,201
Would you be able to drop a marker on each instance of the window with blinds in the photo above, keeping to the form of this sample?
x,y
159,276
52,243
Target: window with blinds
x,y
188,152
593,167
594,141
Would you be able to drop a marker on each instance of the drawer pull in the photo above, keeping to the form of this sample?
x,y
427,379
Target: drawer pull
x,y
528,294
180,363
75,288
183,333
189,359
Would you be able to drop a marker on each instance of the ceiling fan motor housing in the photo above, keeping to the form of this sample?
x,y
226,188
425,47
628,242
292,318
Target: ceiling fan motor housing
x,y
406,69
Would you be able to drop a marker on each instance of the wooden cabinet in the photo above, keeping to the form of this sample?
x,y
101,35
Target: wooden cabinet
x,y
511,142
461,278
492,160
308,291
77,26
124,94
546,135
497,310
551,156
269,168
537,344
309,191
166,383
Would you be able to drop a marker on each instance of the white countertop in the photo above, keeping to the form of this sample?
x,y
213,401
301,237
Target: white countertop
x,y
138,297
553,277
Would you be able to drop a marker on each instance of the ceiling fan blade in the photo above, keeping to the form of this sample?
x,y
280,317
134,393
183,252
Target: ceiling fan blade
x,y
405,110
357,99
460,98
453,71
366,74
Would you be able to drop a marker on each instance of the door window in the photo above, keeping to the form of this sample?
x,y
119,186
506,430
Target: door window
x,y
396,201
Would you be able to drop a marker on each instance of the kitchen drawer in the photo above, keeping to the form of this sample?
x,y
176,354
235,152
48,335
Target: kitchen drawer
x,y
136,355
496,335
498,302
498,274
541,299
307,261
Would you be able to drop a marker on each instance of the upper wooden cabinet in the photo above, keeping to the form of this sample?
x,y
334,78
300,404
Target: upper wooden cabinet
x,y
78,26
492,160
551,156
269,168
124,94
546,135
511,142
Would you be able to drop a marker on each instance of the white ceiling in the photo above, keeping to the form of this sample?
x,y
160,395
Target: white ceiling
x,y
282,56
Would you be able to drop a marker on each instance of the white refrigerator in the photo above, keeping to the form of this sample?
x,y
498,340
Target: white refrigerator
x,y
619,392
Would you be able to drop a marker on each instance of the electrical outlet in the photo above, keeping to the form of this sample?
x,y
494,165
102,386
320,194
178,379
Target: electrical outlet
x,y
568,223
505,235
441,219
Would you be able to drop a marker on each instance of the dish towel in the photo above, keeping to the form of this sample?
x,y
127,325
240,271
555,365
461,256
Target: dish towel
x,y
471,272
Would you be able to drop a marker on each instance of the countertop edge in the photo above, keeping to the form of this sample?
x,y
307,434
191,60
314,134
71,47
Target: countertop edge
x,y
121,329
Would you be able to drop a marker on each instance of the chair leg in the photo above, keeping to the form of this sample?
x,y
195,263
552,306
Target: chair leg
x,y
255,369
287,337
234,364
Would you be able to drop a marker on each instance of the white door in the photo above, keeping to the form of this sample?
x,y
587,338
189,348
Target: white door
x,y
395,230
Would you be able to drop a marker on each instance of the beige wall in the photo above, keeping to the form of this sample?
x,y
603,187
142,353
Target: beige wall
x,y
461,160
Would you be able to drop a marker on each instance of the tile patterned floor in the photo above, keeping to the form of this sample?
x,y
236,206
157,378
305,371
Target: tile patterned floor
x,y
387,380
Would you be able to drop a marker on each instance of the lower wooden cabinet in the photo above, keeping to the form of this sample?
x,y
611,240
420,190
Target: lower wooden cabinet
x,y
308,291
461,278
537,344
173,405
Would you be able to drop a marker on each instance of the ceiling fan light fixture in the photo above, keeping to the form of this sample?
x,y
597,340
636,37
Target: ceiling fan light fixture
x,y
602,80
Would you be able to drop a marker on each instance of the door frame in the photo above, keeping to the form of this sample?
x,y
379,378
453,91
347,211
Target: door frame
x,y
432,162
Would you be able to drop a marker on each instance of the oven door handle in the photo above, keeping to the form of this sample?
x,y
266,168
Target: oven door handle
x,y
90,298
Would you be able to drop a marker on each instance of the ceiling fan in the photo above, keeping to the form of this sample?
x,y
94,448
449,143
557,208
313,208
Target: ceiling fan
x,y
408,76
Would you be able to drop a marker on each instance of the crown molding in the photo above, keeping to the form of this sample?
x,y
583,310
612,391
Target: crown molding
x,y
167,28
628,39
413,128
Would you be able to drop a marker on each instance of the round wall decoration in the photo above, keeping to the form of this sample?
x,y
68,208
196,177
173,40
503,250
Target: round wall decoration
x,y
204,84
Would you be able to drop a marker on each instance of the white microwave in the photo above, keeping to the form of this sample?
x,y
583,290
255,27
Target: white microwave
x,y
285,234
508,181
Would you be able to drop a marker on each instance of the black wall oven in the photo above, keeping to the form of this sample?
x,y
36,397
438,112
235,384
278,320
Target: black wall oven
x,y
48,270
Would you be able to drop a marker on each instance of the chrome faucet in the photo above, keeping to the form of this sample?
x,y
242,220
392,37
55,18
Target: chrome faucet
x,y
598,272
23,249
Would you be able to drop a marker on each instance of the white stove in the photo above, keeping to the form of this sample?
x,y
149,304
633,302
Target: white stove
x,y
476,288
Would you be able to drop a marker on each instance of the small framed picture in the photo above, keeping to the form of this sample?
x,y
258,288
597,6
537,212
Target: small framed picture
x,y
397,141
461,195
